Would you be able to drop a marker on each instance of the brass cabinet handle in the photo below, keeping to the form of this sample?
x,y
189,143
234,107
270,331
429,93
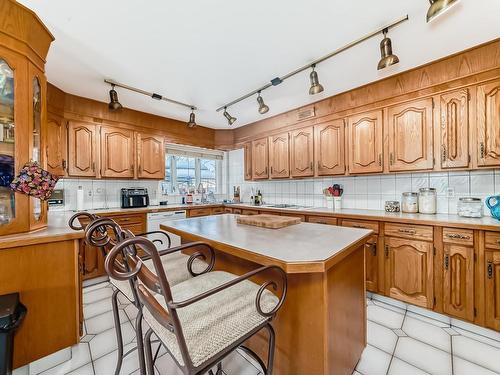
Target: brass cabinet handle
x,y
372,247
387,251
312,166
271,170
93,166
481,149
446,262
457,236
266,170
490,269
498,242
380,160
319,164
391,158
443,153
407,231
64,164
358,226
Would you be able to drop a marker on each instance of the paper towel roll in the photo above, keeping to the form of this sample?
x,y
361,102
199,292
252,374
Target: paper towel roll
x,y
79,199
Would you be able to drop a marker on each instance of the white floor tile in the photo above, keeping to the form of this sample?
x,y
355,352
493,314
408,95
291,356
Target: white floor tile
x,y
88,369
478,337
430,317
97,308
91,288
25,370
477,352
80,355
50,361
385,317
463,367
423,356
381,337
235,364
167,366
97,295
399,367
249,359
427,332
389,303
105,342
131,312
106,365
373,361
103,322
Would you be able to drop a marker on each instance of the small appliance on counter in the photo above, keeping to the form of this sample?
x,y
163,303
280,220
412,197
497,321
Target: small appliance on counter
x,y
57,198
236,194
493,203
134,197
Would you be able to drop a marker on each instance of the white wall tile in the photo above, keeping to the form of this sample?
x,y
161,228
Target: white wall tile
x,y
482,183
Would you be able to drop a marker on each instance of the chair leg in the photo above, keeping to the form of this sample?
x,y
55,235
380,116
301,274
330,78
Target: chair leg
x,y
272,343
149,354
118,330
140,342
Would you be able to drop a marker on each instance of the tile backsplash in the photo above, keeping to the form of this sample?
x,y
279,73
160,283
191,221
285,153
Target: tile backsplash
x,y
368,192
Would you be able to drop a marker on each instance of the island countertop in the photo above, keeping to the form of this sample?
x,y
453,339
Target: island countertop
x,y
303,247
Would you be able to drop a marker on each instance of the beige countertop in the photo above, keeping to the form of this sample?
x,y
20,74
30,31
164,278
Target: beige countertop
x,y
301,243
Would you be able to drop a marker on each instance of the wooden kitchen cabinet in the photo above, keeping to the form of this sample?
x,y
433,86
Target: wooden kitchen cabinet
x,y
371,264
329,141
82,149
492,289
150,156
56,150
302,152
410,136
260,159
409,271
453,129
247,155
117,152
365,142
279,156
488,124
197,212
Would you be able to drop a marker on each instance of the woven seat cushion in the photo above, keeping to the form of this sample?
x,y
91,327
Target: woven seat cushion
x,y
175,266
216,322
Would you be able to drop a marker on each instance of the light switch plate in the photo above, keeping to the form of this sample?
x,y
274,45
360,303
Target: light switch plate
x,y
450,192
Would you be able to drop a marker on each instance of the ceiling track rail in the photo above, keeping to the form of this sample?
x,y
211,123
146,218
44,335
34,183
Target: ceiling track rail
x,y
278,80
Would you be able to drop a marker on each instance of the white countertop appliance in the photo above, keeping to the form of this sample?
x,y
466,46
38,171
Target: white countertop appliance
x,y
156,218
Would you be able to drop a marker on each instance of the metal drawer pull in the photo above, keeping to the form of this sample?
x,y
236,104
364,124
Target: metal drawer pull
x,y
407,231
446,262
490,269
372,247
498,242
359,226
387,251
458,236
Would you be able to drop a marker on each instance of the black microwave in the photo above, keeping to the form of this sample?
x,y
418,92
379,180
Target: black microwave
x,y
134,197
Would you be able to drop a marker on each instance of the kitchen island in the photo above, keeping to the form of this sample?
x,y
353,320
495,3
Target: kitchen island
x,y
321,328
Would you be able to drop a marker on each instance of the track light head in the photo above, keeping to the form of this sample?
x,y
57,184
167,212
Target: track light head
x,y
230,119
263,108
316,87
192,119
114,104
387,57
438,7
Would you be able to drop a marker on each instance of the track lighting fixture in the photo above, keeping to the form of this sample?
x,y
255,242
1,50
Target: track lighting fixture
x,y
388,58
438,7
114,104
263,108
230,119
316,87
192,119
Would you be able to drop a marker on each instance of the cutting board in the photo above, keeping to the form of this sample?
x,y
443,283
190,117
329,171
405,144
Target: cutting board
x,y
268,221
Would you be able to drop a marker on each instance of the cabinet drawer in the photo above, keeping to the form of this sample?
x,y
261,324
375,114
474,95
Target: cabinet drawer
x,y
301,217
492,240
421,232
373,225
129,219
322,220
200,212
134,228
249,212
458,236
236,211
217,210
228,210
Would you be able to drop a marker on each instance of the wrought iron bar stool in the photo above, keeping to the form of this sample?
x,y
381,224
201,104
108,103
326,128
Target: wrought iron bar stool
x,y
201,320
181,267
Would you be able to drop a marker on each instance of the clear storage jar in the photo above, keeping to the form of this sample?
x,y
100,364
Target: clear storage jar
x,y
470,207
427,201
409,202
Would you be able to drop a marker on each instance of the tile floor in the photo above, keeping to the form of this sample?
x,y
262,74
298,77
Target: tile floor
x,y
400,342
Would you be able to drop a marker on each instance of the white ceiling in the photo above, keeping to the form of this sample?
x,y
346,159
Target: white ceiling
x,y
210,52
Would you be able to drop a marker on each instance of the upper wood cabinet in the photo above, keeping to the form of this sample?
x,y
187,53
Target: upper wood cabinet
x,y
488,124
364,142
409,271
150,156
453,129
410,136
492,297
260,159
302,152
329,144
247,150
56,150
279,156
82,149
117,152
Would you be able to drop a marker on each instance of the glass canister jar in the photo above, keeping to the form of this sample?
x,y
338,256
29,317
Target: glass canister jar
x,y
470,207
409,202
427,201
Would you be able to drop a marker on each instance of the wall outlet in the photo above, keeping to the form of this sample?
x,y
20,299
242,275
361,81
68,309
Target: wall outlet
x,y
450,192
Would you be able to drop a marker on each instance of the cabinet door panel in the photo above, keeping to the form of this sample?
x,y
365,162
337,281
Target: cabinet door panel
x,y
82,150
279,156
365,142
117,152
371,264
488,124
302,152
410,136
454,129
150,156
493,289
329,148
56,145
247,149
409,265
459,281
260,159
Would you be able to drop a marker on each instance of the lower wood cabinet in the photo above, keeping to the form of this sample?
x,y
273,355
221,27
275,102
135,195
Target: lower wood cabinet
x,y
371,264
492,289
409,271
197,212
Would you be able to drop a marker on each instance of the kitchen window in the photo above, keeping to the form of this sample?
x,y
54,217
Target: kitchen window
x,y
187,168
